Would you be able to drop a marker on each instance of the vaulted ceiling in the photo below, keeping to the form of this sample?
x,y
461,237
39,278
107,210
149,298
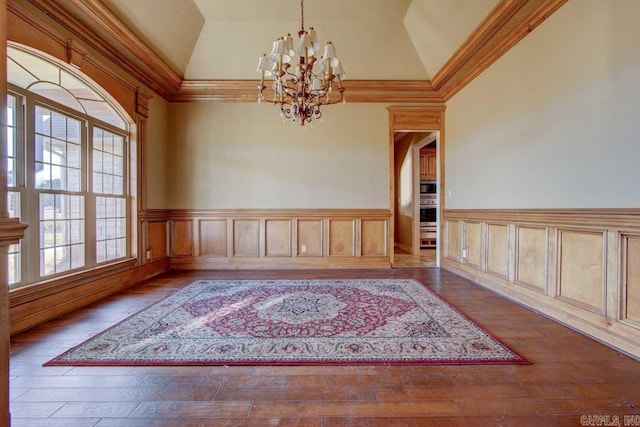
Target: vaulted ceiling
x,y
394,51
376,39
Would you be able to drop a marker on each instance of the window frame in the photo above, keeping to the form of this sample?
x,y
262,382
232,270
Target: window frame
x,y
29,195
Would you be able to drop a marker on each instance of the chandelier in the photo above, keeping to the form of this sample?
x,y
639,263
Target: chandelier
x,y
301,89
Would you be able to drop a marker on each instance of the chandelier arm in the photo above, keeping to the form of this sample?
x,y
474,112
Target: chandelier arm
x,y
336,101
289,91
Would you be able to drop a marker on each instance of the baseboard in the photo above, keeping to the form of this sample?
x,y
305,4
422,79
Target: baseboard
x,y
295,263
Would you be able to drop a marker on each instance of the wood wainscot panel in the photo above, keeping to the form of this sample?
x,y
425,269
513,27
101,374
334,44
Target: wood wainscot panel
x,y
453,240
631,278
246,238
532,252
277,237
581,269
473,244
497,250
182,238
428,117
309,241
213,237
342,239
157,239
373,238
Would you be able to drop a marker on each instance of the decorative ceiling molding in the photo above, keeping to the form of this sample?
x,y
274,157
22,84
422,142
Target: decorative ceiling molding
x,y
508,23
100,29
497,18
383,91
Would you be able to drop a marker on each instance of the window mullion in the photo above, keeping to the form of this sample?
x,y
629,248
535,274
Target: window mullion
x,y
31,255
90,197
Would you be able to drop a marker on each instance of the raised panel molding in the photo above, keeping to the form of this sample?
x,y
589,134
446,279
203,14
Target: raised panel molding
x,y
374,237
157,239
246,237
532,256
497,250
182,238
213,237
453,240
631,278
473,244
342,241
309,237
278,237
580,267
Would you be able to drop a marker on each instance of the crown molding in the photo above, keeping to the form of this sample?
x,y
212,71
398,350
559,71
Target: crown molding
x,y
101,30
508,23
402,91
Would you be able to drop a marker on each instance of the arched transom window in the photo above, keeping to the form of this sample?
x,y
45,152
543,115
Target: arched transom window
x,y
67,172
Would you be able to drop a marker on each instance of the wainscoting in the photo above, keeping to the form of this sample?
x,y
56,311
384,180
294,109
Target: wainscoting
x,y
269,239
32,305
580,267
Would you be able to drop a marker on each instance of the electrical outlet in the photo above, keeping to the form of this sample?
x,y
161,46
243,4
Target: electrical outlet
x,y
464,253
148,253
303,249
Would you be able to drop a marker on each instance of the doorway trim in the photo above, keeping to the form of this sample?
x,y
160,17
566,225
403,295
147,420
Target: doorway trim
x,y
431,137
421,118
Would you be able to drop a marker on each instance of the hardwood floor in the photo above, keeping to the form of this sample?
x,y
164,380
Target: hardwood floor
x,y
571,375
402,259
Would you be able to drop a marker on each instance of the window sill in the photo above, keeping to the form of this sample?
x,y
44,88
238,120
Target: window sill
x,y
35,291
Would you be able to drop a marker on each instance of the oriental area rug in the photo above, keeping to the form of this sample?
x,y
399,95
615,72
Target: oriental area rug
x,y
294,322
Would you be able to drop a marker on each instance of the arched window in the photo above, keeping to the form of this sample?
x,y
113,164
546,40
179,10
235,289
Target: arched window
x,y
68,169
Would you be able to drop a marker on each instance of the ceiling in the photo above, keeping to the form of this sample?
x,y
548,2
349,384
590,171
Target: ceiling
x,y
376,39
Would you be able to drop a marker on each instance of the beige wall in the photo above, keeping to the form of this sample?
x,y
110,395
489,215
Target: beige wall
x,y
156,153
555,123
235,156
437,28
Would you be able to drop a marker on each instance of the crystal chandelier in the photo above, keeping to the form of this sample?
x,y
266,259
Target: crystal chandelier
x,y
301,89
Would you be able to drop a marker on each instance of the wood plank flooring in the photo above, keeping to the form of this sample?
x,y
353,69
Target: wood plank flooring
x,y
426,258
572,375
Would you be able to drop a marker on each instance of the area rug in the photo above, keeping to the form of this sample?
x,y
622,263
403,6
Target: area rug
x,y
293,322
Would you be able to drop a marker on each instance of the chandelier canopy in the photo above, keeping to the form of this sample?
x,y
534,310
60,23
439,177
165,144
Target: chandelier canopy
x,y
301,89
